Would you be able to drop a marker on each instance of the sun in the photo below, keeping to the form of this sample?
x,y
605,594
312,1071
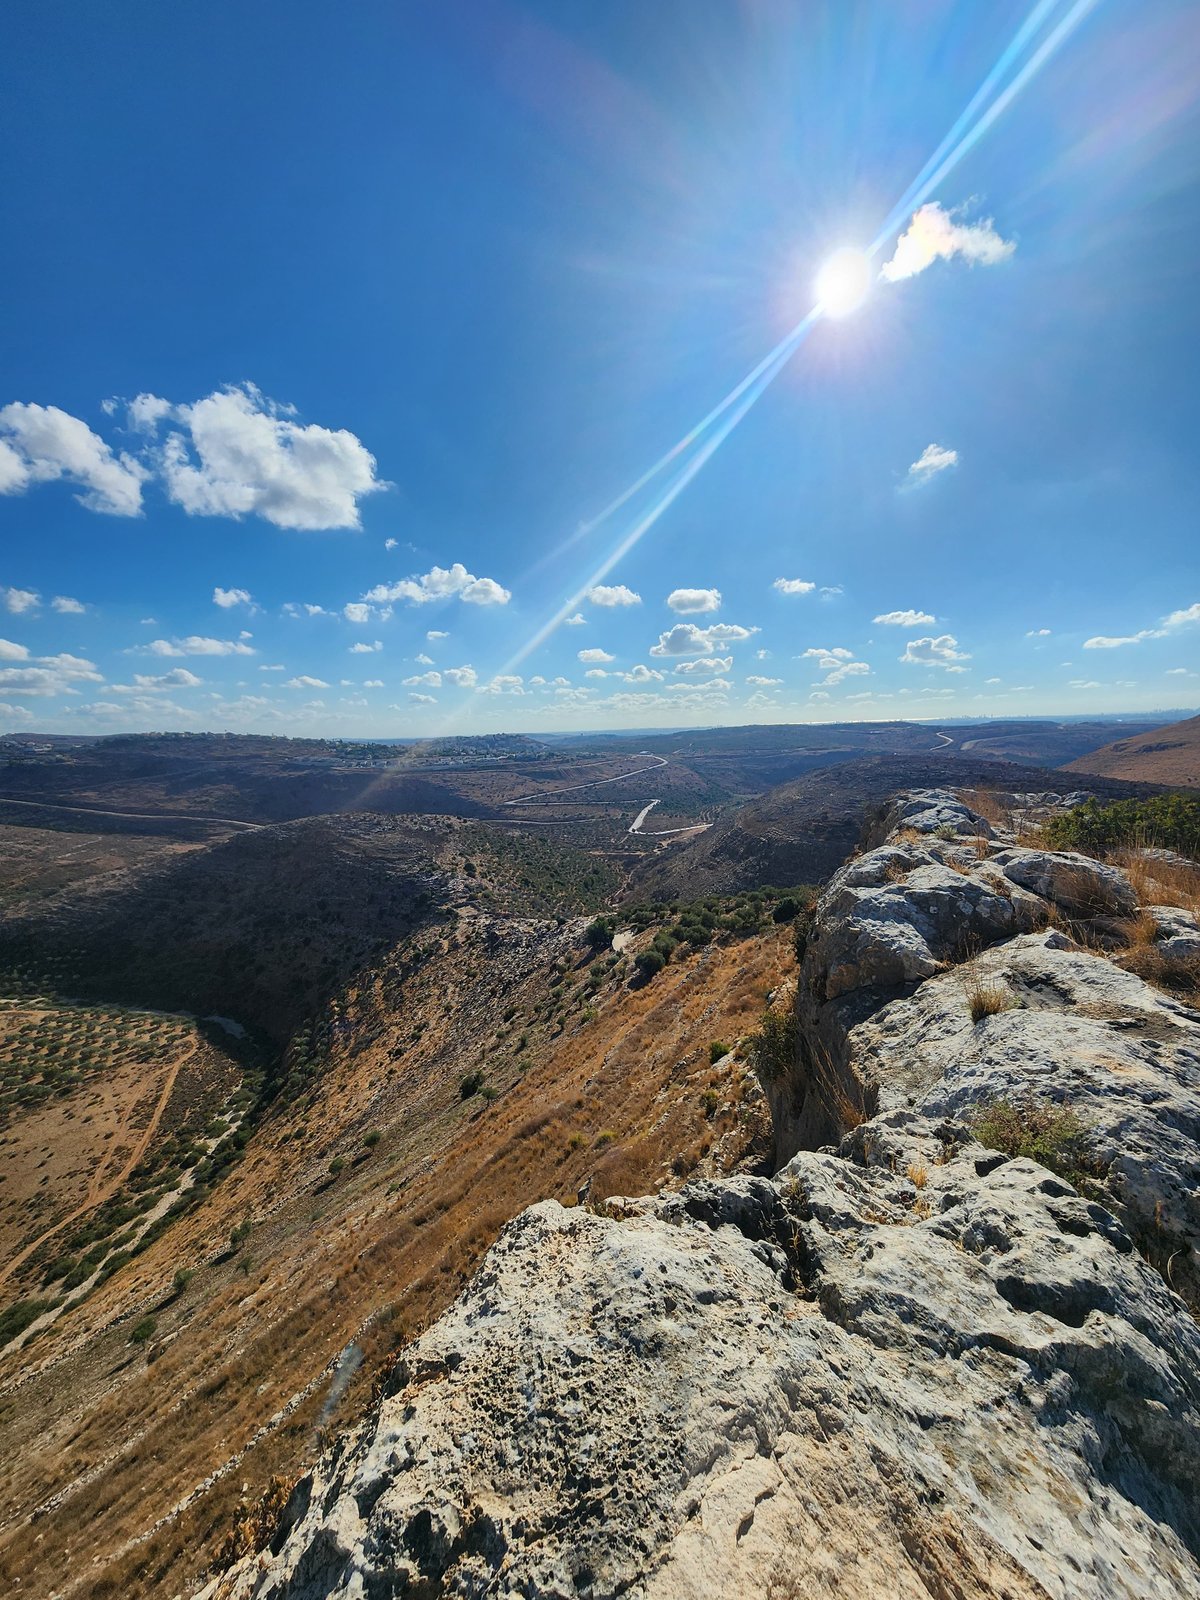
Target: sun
x,y
843,282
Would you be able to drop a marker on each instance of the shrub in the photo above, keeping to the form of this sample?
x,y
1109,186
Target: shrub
x,y
336,1165
599,933
142,1332
16,1318
182,1278
786,909
774,1045
372,1139
488,1092
716,1050
1049,1134
986,997
470,1083
650,962
1169,821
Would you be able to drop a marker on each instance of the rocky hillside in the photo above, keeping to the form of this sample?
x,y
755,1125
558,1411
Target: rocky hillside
x,y
945,1350
1165,755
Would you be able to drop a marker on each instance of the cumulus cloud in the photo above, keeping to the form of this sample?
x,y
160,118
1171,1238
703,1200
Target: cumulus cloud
x,y
442,583
390,544
504,683
934,235
836,662
372,683
642,674
932,460
426,680
1037,633
305,682
226,598
196,645
905,619
930,652
577,621
11,713
44,676
704,667
39,444
763,683
422,700
66,606
10,651
1167,625
242,454
594,655
689,601
686,639
613,595
461,677
20,601
793,586
362,648
146,411
436,633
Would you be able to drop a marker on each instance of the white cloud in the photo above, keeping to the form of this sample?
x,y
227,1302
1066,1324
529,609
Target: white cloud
x,y
372,683
443,583
41,443
46,675
362,648
355,611
1037,633
13,652
762,655
837,663
1168,624
436,633
1084,683
763,683
577,621
19,601
597,672
275,668
423,660
195,645
830,591
146,411
225,598
686,639
643,674
1179,672
14,713
793,586
594,655
613,595
305,682
426,680
704,667
689,601
940,652
145,683
933,234
905,619
390,544
461,677
504,683
422,700
933,459
66,606
242,454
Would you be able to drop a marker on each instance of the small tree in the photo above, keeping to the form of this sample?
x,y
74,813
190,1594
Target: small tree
x,y
650,962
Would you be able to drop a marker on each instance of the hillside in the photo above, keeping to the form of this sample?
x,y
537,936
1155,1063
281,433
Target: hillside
x,y
1169,755
948,1348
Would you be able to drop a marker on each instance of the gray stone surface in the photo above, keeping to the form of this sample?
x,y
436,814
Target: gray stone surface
x,y
908,1365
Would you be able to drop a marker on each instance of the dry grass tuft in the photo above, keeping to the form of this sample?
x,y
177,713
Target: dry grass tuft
x,y
1175,975
986,997
918,1175
1161,883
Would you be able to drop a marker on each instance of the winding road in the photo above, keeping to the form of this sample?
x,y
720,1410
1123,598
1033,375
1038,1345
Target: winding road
x,y
592,783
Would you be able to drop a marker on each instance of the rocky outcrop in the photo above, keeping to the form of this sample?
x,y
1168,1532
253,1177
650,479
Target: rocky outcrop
x,y
907,1364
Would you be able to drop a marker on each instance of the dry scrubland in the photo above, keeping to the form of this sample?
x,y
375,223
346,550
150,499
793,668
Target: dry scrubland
x,y
362,1202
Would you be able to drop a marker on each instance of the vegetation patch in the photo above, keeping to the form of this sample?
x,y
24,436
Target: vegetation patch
x,y
1049,1134
1165,822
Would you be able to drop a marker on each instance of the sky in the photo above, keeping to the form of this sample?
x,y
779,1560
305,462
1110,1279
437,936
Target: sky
x,y
340,345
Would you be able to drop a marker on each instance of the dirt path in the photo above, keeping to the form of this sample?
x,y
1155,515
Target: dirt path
x,y
99,1193
131,816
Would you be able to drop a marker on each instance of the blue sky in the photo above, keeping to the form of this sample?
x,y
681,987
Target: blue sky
x,y
329,332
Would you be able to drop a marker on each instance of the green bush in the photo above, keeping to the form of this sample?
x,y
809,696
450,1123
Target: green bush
x,y
470,1083
717,1050
372,1139
650,962
1051,1135
181,1279
1167,821
774,1046
16,1318
142,1332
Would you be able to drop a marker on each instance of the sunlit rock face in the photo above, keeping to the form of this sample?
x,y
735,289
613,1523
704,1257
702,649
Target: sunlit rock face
x,y
906,1364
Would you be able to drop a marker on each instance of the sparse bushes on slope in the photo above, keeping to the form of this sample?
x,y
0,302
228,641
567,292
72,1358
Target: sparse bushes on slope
x,y
1049,1134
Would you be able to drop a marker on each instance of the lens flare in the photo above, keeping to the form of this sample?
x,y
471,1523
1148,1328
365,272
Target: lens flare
x,y
844,282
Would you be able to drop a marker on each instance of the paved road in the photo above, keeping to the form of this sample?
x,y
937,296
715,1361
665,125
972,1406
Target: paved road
x,y
594,783
132,816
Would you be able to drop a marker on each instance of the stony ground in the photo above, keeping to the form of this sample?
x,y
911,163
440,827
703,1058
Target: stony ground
x,y
911,1363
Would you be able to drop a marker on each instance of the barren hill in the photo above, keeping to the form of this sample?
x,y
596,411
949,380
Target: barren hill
x,y
1169,755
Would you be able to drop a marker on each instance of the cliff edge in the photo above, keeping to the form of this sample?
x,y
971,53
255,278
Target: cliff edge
x,y
910,1363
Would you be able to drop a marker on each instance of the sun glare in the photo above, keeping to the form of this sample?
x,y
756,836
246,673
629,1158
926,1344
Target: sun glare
x,y
843,282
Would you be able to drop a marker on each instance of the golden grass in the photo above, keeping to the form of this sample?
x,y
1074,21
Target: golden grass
x,y
1161,883
986,997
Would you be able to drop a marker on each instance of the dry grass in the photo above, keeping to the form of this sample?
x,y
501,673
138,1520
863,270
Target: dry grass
x,y
1174,975
986,997
1161,883
918,1175
986,803
1140,931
